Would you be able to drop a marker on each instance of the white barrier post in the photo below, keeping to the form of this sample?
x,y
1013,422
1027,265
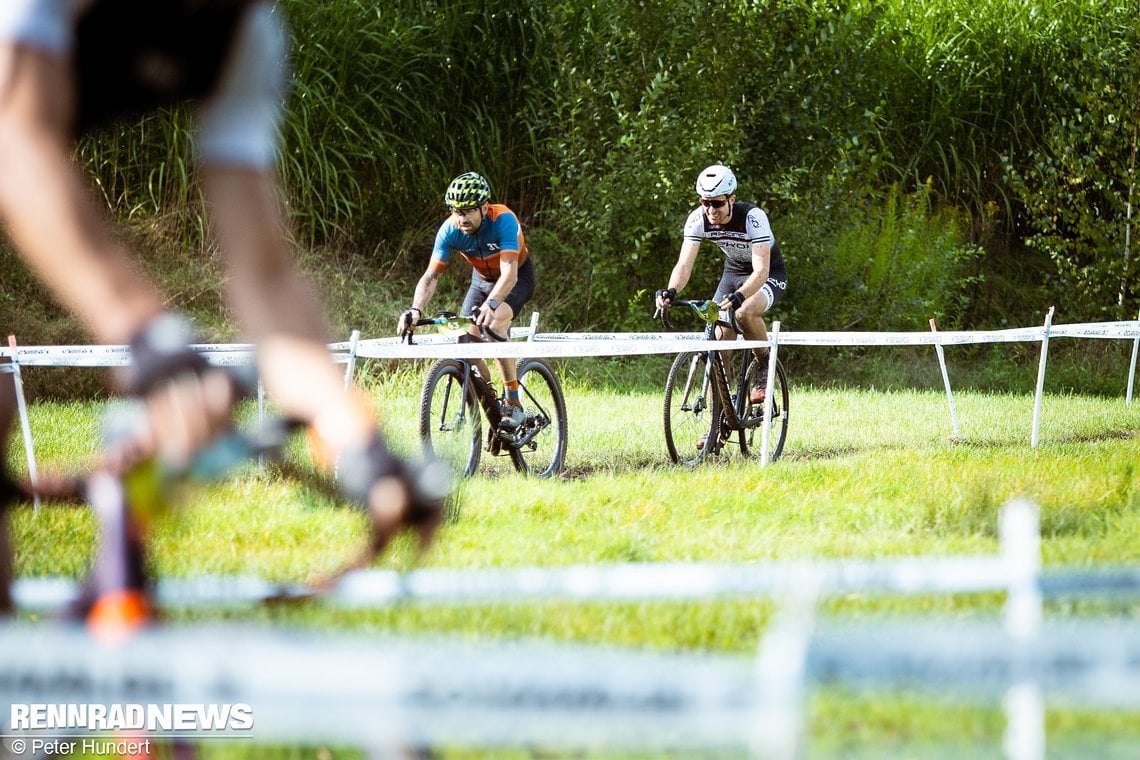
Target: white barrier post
x,y
1024,703
781,672
766,426
1041,380
25,424
353,339
533,326
945,379
1132,367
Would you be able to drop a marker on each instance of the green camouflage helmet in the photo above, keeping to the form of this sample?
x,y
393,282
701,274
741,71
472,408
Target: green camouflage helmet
x,y
467,190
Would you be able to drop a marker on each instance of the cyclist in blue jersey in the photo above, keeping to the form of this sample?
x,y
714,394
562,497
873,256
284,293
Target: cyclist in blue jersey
x,y
68,66
489,237
754,277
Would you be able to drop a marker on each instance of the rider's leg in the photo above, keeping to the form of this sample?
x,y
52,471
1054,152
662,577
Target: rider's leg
x,y
501,324
476,295
520,294
750,315
61,230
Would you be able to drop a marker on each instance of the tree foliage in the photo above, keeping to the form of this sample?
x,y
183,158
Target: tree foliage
x,y
1001,125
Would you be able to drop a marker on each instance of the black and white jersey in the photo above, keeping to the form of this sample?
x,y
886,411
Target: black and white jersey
x,y
747,226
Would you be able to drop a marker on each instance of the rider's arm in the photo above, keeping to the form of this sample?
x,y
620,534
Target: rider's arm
x,y
683,269
761,257
425,289
508,276
509,232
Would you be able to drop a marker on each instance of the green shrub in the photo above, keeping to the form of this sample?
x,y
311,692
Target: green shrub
x,y
887,265
1079,185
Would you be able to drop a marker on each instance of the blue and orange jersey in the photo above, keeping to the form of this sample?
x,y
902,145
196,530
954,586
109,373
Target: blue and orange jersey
x,y
499,238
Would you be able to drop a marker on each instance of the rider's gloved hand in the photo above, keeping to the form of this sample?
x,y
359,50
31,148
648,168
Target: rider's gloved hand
x,y
666,297
733,300
188,401
396,493
407,321
484,315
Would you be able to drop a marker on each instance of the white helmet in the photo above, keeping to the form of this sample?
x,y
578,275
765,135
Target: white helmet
x,y
716,180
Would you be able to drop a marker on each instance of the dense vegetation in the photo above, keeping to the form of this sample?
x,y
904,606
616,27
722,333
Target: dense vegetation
x,y
970,161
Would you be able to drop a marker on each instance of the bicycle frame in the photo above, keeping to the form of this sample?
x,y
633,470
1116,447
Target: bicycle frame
x,y
481,385
716,373
490,404
734,410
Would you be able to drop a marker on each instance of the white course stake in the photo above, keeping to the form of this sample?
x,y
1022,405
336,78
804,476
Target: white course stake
x,y
25,424
1132,366
1041,380
766,427
1024,702
945,380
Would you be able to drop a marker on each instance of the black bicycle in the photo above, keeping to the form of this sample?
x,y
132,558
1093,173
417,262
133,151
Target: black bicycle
x,y
454,393
705,413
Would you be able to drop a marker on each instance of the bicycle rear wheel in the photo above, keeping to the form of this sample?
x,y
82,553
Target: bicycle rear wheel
x,y
757,375
691,423
450,426
541,440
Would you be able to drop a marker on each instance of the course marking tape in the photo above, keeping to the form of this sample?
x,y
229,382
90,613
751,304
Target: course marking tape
x,y
1095,661
428,691
632,582
435,690
554,345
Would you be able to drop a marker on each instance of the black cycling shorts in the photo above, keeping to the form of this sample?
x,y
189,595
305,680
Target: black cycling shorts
x,y
517,298
774,287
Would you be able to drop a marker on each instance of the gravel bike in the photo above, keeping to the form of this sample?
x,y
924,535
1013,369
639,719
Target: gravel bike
x,y
456,397
705,412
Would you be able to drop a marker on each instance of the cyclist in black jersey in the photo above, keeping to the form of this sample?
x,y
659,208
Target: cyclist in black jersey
x,y
754,277
70,65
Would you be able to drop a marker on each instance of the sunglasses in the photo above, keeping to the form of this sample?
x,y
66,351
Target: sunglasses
x,y
712,204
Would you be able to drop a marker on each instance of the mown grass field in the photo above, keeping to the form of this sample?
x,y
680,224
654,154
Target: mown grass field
x,y
865,474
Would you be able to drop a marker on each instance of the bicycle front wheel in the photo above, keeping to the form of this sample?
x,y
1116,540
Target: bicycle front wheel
x,y
541,439
450,425
691,423
754,418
